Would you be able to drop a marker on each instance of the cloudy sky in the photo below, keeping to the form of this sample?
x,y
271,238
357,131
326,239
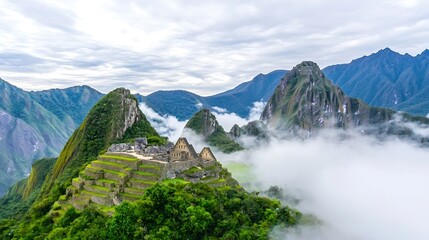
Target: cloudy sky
x,y
202,46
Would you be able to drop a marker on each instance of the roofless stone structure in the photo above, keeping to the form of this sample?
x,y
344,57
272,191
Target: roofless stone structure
x,y
126,170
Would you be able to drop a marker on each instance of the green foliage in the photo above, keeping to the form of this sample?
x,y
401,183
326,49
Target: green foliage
x,y
167,211
98,131
224,143
201,123
22,195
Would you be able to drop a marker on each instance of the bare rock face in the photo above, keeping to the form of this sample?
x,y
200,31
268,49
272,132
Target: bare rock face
x,y
306,100
140,144
130,111
120,147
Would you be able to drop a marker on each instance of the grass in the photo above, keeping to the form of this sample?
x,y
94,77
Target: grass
x,y
175,181
135,189
146,174
103,180
63,198
143,181
119,158
115,172
76,180
149,166
192,170
86,192
220,180
101,188
56,206
110,164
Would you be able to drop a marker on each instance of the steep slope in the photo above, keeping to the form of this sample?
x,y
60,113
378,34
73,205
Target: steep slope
x,y
386,79
116,117
184,104
305,100
205,124
22,194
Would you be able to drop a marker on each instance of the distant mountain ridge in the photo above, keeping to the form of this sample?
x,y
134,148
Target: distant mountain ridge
x,y
386,79
306,101
184,104
37,124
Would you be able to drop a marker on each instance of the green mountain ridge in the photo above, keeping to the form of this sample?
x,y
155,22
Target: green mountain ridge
x,y
205,124
116,117
168,210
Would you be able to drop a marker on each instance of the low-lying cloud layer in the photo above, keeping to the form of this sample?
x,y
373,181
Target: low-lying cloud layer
x,y
202,46
171,127
358,186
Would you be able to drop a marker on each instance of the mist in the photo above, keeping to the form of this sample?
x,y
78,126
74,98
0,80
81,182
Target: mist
x,y
169,126
359,187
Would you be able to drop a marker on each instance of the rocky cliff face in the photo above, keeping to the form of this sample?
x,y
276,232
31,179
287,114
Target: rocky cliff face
x,y
205,124
306,100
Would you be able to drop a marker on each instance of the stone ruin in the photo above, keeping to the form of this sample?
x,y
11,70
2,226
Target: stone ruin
x,y
126,170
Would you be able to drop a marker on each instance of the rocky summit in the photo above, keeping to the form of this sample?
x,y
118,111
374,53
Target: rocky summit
x,y
305,99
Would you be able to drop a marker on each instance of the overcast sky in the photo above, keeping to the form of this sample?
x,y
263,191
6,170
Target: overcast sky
x,y
202,46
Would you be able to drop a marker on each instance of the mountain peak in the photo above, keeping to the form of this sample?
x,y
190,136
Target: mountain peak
x,y
305,99
204,123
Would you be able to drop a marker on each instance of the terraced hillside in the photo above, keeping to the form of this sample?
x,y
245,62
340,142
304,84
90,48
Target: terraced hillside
x,y
117,177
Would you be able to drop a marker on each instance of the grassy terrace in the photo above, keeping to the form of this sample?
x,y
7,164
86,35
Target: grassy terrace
x,y
175,181
86,192
101,188
110,163
136,189
131,195
149,166
192,170
143,181
103,180
130,159
146,174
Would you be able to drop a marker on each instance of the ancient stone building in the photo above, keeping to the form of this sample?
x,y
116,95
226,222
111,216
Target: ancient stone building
x,y
182,151
207,155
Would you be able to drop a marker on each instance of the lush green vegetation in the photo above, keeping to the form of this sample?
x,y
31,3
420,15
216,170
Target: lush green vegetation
x,y
166,211
202,122
21,195
98,131
224,143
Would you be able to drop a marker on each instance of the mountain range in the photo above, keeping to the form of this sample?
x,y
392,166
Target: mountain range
x,y
386,79
37,124
383,79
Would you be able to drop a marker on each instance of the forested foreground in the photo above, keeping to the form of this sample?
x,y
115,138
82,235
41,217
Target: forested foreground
x,y
174,211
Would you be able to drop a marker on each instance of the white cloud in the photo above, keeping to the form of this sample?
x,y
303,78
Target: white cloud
x,y
168,126
227,120
359,187
202,46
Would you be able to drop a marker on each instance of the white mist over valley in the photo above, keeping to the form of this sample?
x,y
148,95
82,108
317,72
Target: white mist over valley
x,y
358,186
